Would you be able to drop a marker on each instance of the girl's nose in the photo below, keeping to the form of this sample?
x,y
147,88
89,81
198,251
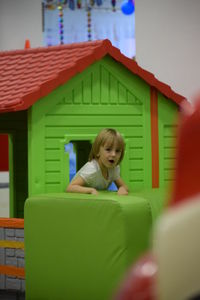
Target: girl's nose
x,y
113,153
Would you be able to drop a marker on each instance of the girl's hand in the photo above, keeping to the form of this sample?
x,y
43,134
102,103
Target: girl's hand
x,y
93,191
122,191
122,187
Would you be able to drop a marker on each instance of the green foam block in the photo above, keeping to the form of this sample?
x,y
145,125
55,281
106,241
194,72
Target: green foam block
x,y
79,247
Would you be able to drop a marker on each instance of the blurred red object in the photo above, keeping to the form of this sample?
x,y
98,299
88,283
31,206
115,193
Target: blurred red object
x,y
187,175
140,282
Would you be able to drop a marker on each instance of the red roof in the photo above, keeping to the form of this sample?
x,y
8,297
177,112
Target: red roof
x,y
27,75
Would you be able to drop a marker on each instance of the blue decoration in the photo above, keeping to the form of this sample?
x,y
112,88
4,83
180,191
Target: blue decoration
x,y
99,2
128,7
72,4
72,160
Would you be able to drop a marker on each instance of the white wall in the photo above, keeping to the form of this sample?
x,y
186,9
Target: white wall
x,y
20,20
168,42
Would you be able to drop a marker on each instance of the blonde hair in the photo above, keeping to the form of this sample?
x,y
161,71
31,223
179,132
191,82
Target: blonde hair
x,y
107,135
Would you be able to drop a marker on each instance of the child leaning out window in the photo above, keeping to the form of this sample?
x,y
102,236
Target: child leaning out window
x,y
103,167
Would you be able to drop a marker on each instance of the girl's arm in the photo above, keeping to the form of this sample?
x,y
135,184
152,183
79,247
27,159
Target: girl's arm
x,y
77,186
122,187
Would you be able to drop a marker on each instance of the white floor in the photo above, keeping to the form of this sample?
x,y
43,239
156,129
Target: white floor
x,y
4,196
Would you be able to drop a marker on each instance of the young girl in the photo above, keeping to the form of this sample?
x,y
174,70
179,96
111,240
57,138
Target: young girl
x,y
103,167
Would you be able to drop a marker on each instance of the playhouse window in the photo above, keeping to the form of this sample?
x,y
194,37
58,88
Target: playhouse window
x,y
78,156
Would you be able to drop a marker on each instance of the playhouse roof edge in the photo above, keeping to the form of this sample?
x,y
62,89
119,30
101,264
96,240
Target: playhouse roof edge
x,y
28,75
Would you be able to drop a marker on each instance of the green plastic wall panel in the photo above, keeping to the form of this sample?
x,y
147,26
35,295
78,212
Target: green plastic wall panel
x,y
168,118
15,125
104,95
80,246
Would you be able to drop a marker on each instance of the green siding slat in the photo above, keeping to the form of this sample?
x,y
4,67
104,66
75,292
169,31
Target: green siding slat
x,y
169,163
170,131
52,177
61,131
167,111
122,94
137,153
96,88
104,86
137,164
137,142
137,175
52,143
68,99
52,165
52,154
137,184
87,90
169,153
78,94
131,99
52,188
64,110
97,120
113,90
169,142
168,175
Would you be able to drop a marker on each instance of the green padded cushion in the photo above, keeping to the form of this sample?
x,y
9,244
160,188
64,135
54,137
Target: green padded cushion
x,y
158,199
79,246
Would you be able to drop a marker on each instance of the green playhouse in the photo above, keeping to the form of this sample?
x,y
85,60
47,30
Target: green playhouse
x,y
50,97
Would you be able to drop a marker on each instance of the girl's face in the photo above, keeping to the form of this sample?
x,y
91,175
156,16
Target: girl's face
x,y
109,155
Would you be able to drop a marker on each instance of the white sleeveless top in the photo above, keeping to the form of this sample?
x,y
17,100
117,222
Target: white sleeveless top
x,y
92,175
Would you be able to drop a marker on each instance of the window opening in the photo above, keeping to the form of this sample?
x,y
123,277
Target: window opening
x,y
72,160
78,155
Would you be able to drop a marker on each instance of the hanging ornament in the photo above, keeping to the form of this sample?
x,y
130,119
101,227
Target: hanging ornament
x,y
49,36
128,7
89,23
50,6
61,27
113,2
79,4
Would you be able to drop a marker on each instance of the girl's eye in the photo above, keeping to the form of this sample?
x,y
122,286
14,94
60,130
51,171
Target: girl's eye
x,y
118,150
108,149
